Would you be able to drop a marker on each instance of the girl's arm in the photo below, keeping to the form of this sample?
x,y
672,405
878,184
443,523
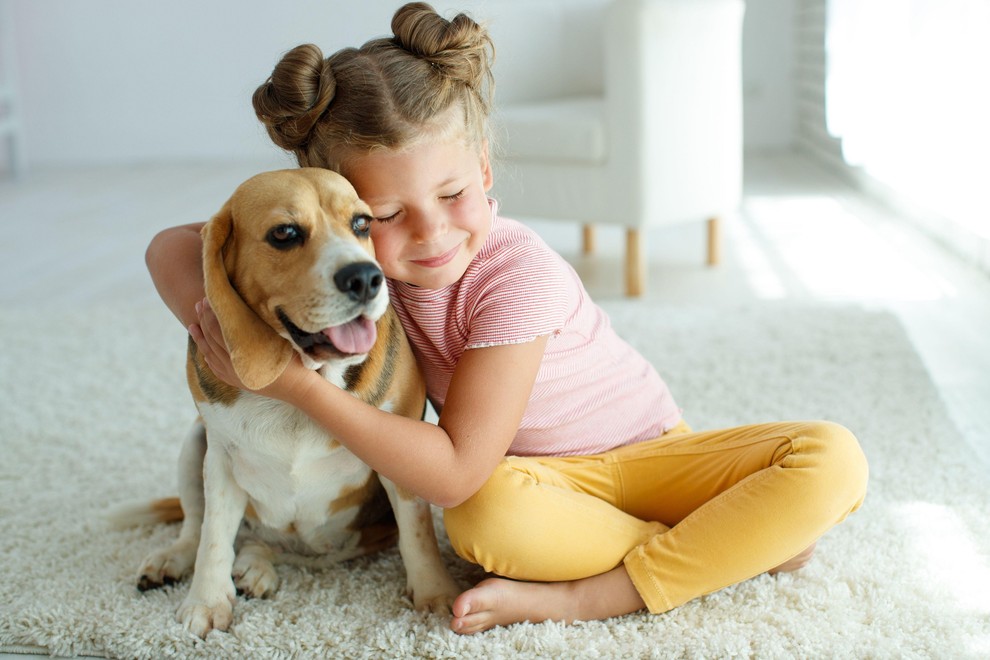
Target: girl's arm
x,y
445,463
175,261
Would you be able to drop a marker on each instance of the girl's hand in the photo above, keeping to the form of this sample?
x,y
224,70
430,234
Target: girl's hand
x,y
213,348
292,383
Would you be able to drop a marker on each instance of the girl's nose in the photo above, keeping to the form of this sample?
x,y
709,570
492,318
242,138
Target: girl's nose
x,y
426,226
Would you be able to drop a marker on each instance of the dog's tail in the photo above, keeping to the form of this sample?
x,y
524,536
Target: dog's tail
x,y
166,510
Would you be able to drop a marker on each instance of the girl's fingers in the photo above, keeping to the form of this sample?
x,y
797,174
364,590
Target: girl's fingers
x,y
209,338
202,342
209,327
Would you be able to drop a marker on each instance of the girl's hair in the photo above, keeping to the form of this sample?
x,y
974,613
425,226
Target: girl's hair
x,y
387,94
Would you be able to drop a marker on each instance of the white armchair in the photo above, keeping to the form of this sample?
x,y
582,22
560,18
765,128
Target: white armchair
x,y
623,112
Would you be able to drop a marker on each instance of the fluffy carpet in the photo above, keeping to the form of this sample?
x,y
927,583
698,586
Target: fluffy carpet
x,y
94,406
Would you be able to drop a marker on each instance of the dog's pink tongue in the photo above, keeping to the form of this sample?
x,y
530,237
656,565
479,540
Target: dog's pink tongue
x,y
357,336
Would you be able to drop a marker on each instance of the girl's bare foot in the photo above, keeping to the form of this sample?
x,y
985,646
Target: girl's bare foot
x,y
500,602
796,562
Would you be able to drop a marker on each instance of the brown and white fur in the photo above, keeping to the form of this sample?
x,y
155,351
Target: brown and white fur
x,y
289,268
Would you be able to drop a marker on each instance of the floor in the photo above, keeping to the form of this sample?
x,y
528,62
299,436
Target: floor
x,y
76,237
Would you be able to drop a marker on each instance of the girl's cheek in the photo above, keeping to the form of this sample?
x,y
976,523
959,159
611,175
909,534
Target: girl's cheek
x,y
385,250
379,238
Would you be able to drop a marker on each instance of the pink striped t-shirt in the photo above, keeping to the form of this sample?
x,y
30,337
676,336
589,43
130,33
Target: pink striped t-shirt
x,y
593,391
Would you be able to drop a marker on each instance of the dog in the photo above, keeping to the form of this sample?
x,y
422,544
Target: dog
x,y
289,269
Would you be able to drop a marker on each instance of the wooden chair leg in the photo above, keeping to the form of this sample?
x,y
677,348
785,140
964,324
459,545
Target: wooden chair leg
x,y
635,264
587,239
714,241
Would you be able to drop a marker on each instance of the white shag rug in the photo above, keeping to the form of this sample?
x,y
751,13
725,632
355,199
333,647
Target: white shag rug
x,y
94,407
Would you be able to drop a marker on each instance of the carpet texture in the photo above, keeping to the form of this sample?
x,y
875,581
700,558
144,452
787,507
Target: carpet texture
x,y
94,407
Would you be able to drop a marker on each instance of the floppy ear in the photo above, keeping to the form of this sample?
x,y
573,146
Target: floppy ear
x,y
258,353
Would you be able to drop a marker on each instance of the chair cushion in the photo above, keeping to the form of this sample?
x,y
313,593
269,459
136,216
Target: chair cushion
x,y
568,130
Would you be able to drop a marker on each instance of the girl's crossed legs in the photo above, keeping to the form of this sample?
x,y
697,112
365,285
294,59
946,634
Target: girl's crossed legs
x,y
656,523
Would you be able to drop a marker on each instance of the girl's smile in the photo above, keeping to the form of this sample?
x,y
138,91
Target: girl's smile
x,y
438,261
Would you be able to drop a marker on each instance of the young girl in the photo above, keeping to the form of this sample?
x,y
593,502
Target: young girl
x,y
560,457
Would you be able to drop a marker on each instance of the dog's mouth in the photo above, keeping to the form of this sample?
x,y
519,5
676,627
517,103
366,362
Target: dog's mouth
x,y
356,337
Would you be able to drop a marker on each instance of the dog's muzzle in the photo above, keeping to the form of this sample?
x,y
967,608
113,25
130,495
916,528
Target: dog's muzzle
x,y
355,337
361,282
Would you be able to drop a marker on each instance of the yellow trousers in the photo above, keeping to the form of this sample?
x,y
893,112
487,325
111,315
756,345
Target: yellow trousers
x,y
688,513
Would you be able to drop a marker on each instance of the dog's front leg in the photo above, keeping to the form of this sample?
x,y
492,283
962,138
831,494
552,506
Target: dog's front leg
x,y
430,585
170,565
210,602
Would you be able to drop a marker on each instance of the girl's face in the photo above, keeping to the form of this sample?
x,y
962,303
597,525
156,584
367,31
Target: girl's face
x,y
430,207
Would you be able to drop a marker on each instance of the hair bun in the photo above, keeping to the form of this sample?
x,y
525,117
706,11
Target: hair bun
x,y
459,49
298,92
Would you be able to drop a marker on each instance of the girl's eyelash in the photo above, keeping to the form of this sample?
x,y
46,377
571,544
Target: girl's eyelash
x,y
450,198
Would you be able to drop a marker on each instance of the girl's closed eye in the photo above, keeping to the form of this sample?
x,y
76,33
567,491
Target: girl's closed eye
x,y
388,218
457,195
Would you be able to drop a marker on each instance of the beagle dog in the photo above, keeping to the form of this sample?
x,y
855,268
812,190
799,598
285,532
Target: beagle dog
x,y
289,268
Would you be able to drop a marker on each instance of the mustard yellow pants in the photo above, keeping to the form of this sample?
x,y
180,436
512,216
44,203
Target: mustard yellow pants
x,y
687,513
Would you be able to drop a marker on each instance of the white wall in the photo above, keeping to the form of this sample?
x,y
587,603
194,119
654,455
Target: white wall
x,y
130,80
108,81
768,74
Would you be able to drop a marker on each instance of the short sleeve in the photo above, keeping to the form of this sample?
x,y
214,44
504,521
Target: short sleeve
x,y
521,292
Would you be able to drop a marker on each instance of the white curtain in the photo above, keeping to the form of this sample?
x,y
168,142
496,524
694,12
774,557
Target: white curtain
x,y
908,92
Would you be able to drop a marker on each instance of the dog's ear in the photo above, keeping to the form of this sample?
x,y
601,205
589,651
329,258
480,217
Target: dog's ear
x,y
258,353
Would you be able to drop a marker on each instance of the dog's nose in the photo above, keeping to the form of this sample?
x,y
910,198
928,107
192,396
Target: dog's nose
x,y
361,281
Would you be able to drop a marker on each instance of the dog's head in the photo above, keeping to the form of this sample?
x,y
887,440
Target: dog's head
x,y
289,265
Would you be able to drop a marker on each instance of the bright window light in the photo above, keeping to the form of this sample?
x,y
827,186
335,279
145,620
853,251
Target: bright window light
x,y
908,92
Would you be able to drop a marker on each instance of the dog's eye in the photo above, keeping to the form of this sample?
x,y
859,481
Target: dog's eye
x,y
284,237
361,224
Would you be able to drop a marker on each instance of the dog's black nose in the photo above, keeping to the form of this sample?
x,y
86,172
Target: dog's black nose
x,y
360,281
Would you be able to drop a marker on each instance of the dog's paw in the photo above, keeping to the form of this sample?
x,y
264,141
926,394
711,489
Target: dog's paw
x,y
436,595
200,616
254,576
166,566
439,604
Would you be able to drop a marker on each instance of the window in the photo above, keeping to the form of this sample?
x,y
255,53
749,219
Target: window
x,y
908,92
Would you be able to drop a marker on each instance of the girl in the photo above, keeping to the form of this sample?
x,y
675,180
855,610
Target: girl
x,y
560,457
